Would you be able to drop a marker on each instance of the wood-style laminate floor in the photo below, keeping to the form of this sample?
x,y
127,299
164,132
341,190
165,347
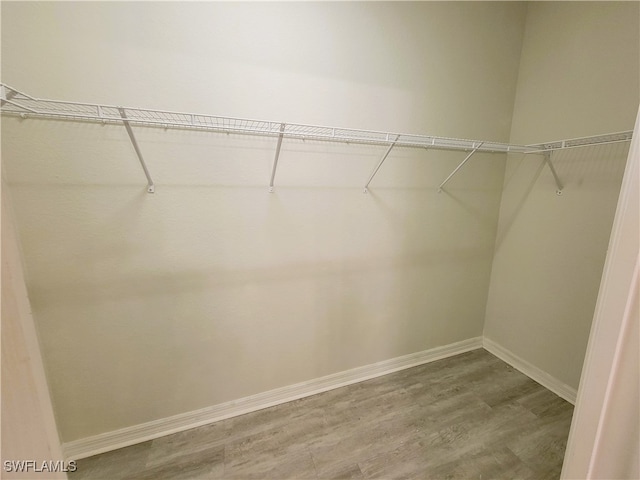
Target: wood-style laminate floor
x,y
471,416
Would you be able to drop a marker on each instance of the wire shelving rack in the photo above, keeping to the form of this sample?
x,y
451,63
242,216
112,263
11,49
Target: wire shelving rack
x,y
14,102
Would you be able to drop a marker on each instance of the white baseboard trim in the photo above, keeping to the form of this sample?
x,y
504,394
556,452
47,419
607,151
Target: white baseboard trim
x,y
543,378
104,442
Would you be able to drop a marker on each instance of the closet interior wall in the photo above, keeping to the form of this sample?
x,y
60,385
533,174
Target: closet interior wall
x,y
579,72
213,289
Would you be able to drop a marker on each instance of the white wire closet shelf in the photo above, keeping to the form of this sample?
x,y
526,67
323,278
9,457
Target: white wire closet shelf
x,y
18,103
15,102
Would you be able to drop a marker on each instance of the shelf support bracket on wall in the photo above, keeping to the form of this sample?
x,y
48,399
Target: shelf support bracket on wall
x,y
384,157
475,149
547,159
150,186
7,95
275,159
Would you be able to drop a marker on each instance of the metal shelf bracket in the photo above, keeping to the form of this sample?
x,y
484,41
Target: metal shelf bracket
x,y
275,159
384,157
475,149
559,185
150,186
5,95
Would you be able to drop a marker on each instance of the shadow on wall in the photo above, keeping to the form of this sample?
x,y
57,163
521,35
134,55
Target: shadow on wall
x,y
445,301
344,253
117,242
285,286
161,283
518,185
485,218
583,171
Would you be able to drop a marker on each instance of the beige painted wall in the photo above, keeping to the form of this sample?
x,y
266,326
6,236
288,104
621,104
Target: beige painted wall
x,y
578,76
28,429
213,289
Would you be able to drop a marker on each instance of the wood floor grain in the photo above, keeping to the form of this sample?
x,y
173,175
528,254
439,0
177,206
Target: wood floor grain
x,y
471,416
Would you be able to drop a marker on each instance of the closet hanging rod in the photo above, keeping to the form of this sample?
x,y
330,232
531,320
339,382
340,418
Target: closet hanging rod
x,y
18,103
